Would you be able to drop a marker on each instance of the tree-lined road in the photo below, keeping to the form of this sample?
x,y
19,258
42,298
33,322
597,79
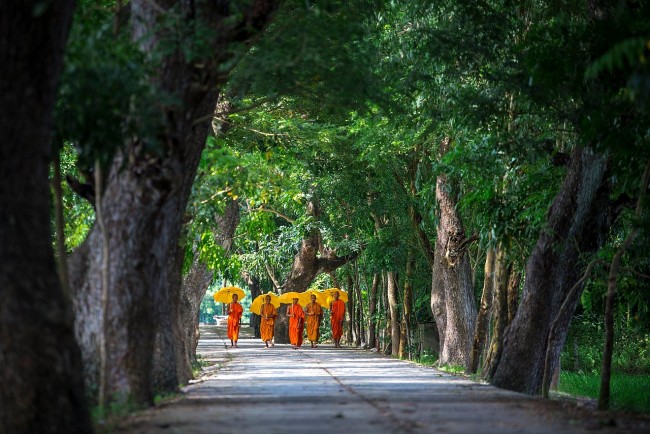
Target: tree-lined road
x,y
323,390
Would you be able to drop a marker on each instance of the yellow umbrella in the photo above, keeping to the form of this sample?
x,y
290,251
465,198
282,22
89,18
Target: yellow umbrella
x,y
329,292
305,298
256,305
287,297
224,295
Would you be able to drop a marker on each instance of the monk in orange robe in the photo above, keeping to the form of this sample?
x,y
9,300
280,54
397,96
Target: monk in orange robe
x,y
235,312
337,314
267,325
314,313
296,324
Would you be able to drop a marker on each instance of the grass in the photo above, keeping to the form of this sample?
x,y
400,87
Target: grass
x,y
628,392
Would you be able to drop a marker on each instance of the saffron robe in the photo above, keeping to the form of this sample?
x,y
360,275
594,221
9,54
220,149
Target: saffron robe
x,y
313,320
234,316
296,324
337,314
267,326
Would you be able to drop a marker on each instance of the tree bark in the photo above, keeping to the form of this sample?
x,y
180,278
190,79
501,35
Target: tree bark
x,y
372,312
453,278
483,318
393,308
407,309
144,202
39,360
513,294
577,224
500,312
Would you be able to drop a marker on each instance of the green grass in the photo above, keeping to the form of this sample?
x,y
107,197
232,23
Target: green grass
x,y
628,392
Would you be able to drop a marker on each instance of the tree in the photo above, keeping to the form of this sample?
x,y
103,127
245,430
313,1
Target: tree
x,y
36,334
145,195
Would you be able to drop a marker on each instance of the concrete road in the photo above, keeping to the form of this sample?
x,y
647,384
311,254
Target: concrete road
x,y
325,390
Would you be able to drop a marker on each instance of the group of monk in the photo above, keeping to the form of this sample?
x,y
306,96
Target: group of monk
x,y
312,315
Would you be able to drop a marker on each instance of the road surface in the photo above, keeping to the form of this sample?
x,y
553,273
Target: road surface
x,y
253,390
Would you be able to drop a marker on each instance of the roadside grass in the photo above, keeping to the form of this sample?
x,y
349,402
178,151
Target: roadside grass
x,y
628,392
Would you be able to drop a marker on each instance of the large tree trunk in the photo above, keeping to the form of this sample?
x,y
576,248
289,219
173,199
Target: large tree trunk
x,y
144,203
453,276
577,224
483,318
393,308
39,360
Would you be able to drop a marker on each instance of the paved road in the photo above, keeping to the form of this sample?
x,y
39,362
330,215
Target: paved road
x,y
254,390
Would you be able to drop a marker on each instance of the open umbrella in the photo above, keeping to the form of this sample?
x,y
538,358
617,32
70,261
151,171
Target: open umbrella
x,y
287,297
224,295
305,298
329,292
256,305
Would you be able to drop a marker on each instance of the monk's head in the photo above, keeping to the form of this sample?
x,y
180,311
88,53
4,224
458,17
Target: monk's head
x,y
295,300
267,299
235,297
336,295
313,298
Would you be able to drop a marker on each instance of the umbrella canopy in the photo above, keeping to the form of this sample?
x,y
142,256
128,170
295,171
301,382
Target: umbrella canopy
x,y
329,292
287,297
305,298
224,295
256,305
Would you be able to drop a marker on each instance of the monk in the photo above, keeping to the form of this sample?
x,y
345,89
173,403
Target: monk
x,y
234,312
296,324
314,313
337,314
267,325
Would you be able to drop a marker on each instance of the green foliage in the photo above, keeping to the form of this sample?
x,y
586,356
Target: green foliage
x,y
105,96
584,349
628,392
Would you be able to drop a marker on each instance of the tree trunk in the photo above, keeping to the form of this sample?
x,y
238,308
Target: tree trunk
x,y
500,312
393,308
483,319
372,312
361,328
453,276
39,360
194,286
407,310
577,224
193,289
513,294
144,202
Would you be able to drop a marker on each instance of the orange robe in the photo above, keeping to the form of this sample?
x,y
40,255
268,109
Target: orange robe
x,y
337,315
295,330
313,321
267,325
234,316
